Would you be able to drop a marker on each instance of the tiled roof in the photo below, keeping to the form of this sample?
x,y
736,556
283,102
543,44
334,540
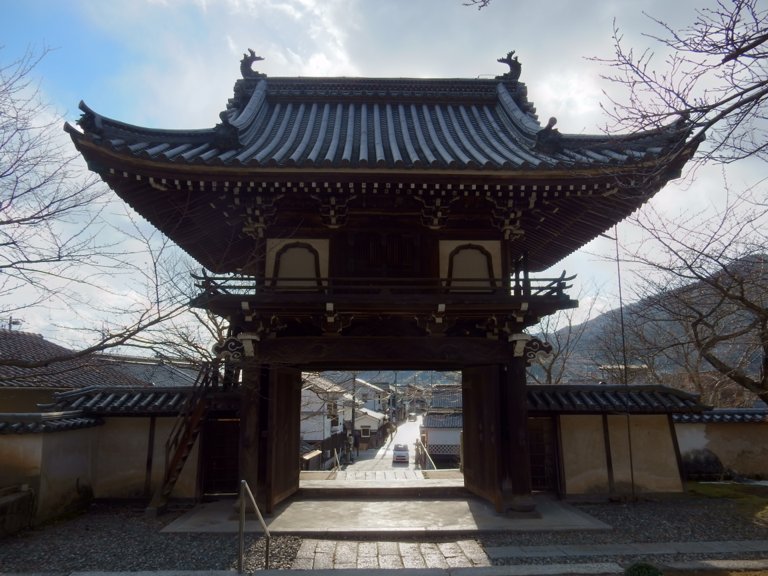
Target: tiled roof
x,y
104,401
554,399
600,399
391,123
431,420
72,373
446,398
52,422
320,384
154,371
724,416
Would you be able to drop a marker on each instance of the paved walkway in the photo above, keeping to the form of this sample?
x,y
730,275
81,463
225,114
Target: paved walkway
x,y
384,512
331,554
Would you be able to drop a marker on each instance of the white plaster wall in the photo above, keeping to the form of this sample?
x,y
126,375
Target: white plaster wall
x,y
741,447
584,462
652,463
121,459
314,427
20,459
691,437
450,436
66,471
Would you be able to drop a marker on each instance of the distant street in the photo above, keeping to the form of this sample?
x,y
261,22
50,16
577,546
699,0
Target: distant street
x,y
381,458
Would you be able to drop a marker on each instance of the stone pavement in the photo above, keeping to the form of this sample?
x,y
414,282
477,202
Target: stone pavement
x,y
330,554
321,554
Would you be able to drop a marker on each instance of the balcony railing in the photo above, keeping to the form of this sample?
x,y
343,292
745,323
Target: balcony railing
x,y
514,286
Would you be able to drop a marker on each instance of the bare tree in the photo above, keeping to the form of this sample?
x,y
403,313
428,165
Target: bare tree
x,y
714,74
709,278
564,333
58,247
47,205
479,3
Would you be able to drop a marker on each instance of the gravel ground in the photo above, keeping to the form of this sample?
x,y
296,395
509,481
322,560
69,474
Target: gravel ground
x,y
678,519
120,537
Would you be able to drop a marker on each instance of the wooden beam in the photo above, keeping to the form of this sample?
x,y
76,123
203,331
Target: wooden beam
x,y
348,353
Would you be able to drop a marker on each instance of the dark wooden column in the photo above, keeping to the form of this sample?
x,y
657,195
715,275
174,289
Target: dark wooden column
x,y
515,453
250,425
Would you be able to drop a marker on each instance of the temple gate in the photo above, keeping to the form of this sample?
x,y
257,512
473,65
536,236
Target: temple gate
x,y
354,223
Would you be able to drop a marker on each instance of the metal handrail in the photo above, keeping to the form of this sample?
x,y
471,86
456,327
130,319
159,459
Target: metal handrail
x,y
245,489
420,444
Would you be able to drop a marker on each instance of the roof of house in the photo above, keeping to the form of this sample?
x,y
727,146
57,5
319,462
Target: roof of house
x,y
604,398
432,420
372,413
154,371
64,370
321,385
41,423
446,399
97,400
724,416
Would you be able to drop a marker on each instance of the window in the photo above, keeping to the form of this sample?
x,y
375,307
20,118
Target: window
x,y
297,266
470,268
333,413
365,431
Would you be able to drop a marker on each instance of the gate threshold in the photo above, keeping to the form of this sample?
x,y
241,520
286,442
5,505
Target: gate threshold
x,y
387,484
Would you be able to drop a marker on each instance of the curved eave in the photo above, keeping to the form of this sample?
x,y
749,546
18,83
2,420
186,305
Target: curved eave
x,y
103,156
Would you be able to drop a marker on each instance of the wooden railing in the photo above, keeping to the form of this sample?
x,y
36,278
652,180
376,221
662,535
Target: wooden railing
x,y
515,286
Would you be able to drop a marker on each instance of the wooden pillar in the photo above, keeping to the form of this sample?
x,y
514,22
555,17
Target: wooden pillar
x,y
250,426
515,453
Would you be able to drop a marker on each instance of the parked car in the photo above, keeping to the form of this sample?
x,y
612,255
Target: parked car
x,y
400,453
412,417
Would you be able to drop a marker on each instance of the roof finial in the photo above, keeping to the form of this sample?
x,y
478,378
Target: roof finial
x,y
514,66
246,65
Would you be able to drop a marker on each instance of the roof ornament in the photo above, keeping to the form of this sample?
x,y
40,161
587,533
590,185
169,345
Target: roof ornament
x,y
246,65
549,140
89,121
514,66
227,136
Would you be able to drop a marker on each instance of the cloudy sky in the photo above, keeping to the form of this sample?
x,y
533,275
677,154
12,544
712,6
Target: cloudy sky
x,y
173,63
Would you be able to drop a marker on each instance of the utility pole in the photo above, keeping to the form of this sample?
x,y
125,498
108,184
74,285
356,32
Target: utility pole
x,y
354,402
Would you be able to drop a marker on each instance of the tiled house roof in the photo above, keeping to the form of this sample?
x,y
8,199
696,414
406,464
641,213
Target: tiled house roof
x,y
600,399
114,401
432,420
724,416
97,401
154,371
72,373
41,423
446,398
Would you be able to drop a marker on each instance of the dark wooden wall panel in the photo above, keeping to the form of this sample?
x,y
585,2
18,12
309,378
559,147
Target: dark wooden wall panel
x,y
482,471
